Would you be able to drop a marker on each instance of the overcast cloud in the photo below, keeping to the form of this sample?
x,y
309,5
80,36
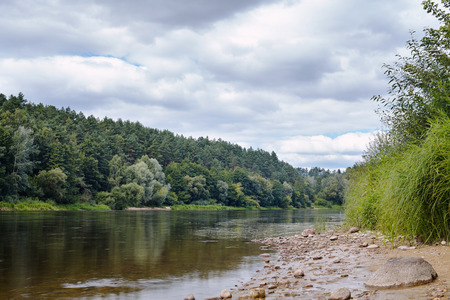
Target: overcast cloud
x,y
292,76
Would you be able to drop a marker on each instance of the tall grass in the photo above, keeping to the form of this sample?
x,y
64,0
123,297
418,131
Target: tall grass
x,y
30,204
407,194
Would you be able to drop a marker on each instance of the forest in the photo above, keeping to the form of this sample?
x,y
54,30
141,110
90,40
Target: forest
x,y
60,156
402,187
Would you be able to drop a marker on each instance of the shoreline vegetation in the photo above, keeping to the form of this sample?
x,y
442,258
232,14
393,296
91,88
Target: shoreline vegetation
x,y
62,157
402,186
37,205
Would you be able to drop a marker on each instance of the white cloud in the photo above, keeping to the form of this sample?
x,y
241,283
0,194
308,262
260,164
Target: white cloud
x,y
320,150
279,75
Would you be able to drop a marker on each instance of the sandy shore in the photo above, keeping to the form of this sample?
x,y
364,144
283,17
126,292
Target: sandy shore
x,y
337,259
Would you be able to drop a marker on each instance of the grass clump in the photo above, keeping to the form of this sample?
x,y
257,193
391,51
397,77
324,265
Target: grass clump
x,y
83,206
406,194
28,204
205,207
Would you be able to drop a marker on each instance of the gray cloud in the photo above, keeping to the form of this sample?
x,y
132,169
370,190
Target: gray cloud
x,y
176,13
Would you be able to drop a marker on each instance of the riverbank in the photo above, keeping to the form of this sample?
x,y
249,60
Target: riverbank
x,y
36,205
333,260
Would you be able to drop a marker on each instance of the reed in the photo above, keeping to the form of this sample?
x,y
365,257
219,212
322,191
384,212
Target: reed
x,y
406,194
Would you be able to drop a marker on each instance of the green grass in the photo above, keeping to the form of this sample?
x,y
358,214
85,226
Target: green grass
x,y
27,205
83,206
36,205
205,207
406,194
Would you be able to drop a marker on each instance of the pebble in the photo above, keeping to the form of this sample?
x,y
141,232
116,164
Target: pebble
x,y
189,297
308,232
406,248
353,230
257,293
340,294
373,246
333,238
225,294
299,273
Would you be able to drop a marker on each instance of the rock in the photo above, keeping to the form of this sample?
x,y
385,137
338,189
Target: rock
x,y
443,243
264,255
353,229
317,257
333,237
406,248
257,293
308,232
189,297
225,294
402,272
340,294
373,246
299,273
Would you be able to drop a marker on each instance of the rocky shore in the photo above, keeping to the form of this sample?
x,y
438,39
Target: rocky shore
x,y
336,265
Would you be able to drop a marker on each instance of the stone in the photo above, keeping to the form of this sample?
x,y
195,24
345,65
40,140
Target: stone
x,y
333,237
225,294
264,255
406,248
373,246
402,272
257,293
189,297
353,230
308,232
299,273
341,294
443,243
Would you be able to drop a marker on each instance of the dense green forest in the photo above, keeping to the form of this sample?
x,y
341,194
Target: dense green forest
x,y
402,187
61,156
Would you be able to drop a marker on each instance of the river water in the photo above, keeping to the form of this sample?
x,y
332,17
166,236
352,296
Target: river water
x,y
138,254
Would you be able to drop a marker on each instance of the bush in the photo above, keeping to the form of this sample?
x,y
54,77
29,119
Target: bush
x,y
408,193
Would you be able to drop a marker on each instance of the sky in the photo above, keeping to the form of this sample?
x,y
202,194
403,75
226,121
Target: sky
x,y
290,76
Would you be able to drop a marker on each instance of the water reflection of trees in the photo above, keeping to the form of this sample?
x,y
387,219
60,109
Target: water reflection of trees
x,y
46,250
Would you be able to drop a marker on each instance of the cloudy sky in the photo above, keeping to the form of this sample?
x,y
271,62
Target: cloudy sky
x,y
292,76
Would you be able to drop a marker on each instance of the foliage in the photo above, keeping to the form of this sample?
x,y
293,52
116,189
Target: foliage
x,y
419,83
407,194
403,186
52,183
62,156
205,207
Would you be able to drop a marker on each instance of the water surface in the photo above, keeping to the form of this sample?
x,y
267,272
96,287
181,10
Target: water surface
x,y
138,254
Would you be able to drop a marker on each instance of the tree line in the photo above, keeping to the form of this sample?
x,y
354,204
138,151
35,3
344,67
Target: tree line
x,y
62,156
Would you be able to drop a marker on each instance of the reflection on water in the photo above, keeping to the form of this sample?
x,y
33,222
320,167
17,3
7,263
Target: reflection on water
x,y
137,254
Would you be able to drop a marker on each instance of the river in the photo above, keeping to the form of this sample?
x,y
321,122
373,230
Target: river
x,y
138,254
